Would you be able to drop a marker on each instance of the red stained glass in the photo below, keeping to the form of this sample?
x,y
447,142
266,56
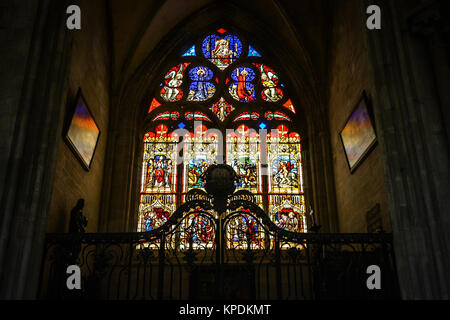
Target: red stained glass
x,y
199,116
242,130
173,80
282,130
247,116
276,116
155,104
222,109
200,130
161,131
167,116
164,186
289,106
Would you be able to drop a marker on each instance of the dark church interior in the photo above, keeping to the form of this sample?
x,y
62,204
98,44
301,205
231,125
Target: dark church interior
x,y
206,150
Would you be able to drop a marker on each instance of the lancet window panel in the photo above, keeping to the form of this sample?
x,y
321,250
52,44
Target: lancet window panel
x,y
223,81
201,151
243,231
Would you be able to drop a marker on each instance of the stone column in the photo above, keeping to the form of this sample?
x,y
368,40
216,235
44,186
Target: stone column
x,y
413,131
32,92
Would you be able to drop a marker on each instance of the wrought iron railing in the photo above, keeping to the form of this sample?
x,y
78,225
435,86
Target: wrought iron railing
x,y
311,266
220,260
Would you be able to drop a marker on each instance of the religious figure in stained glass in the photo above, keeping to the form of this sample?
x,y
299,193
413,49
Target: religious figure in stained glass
x,y
196,168
222,56
172,83
201,229
198,231
288,212
285,172
270,82
252,52
201,89
243,90
154,218
159,173
290,220
246,171
199,116
222,109
243,231
283,196
199,154
222,51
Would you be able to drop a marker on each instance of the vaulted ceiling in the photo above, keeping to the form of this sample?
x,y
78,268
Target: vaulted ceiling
x,y
138,26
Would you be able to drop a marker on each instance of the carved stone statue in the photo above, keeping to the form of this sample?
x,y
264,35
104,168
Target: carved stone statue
x,y
78,222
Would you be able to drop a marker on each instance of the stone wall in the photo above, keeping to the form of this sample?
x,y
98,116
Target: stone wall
x,y
90,71
359,192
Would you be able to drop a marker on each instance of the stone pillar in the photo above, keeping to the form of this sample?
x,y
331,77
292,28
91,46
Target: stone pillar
x,y
32,91
411,114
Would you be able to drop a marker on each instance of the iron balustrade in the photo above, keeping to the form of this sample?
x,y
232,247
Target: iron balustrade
x,y
220,260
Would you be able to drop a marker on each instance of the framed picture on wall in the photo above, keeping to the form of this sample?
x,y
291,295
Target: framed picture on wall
x,y
82,133
358,135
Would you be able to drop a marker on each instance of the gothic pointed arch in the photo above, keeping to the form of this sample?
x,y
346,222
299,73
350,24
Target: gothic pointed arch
x,y
226,100
140,102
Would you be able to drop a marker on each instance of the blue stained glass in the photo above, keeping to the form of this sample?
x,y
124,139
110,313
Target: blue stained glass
x,y
222,51
190,52
201,91
196,168
181,125
252,52
201,74
263,125
243,74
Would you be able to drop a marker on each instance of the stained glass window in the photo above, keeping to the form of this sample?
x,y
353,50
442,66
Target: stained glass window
x,y
203,96
167,116
285,180
269,79
222,51
158,183
173,80
242,89
276,116
222,109
243,231
190,52
155,104
201,88
201,151
198,231
199,116
247,116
